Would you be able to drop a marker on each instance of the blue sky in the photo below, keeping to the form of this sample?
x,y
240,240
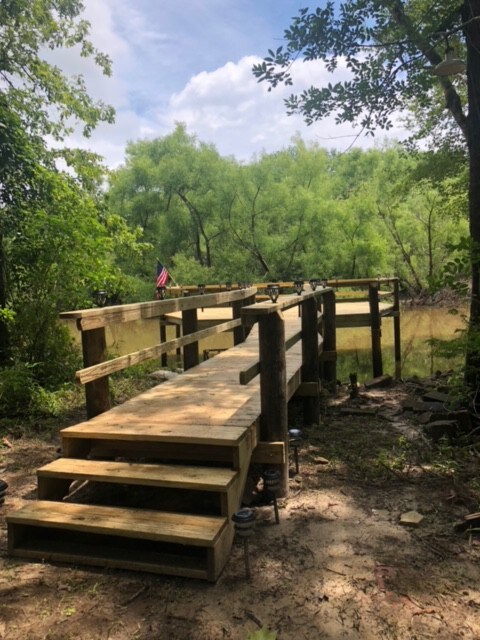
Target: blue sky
x,y
190,61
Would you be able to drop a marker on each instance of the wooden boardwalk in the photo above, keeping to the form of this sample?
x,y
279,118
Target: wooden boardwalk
x,y
193,435
152,484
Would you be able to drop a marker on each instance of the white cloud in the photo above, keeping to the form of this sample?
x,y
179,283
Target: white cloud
x,y
186,62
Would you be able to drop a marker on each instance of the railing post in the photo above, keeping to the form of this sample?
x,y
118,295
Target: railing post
x,y
311,404
329,369
97,393
190,351
238,332
163,338
396,329
376,329
273,385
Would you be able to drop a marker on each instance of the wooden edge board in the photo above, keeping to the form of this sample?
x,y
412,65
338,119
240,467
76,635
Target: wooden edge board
x,y
47,553
108,367
96,318
160,475
195,434
201,531
308,389
269,453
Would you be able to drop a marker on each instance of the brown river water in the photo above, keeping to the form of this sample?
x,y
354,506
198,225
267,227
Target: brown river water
x,y
418,326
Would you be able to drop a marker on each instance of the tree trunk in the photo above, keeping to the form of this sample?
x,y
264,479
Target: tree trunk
x,y
470,15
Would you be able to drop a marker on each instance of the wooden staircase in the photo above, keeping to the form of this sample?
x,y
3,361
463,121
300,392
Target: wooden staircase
x,y
144,497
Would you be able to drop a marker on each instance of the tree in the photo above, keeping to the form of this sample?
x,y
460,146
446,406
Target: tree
x,y
390,48
172,187
37,219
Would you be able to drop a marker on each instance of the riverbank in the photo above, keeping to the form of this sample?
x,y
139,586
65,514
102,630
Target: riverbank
x,y
340,564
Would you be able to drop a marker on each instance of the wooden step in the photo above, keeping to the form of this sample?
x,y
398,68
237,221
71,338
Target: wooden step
x,y
178,433
187,443
140,539
54,478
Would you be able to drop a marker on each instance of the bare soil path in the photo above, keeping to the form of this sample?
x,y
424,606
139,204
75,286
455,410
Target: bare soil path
x,y
339,564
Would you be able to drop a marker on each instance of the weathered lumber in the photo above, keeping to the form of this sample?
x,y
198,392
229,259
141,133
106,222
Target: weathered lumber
x,y
117,364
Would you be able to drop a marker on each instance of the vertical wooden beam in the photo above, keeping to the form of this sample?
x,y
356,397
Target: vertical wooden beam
x,y
311,405
273,385
376,329
190,351
94,349
396,329
329,367
178,334
163,338
238,332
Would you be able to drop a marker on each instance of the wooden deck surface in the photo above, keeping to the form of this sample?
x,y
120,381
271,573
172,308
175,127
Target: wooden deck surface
x,y
198,404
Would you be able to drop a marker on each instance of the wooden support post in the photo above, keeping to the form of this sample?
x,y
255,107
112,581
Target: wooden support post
x,y
190,351
97,394
238,332
376,330
273,385
396,330
329,367
311,405
163,338
178,334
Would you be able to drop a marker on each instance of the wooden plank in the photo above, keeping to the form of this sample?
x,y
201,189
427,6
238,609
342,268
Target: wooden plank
x,y
117,364
247,375
353,320
283,303
193,434
145,524
308,390
97,393
269,453
155,475
95,318
107,557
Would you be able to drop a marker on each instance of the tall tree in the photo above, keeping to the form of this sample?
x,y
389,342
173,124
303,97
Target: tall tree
x,y
391,48
37,99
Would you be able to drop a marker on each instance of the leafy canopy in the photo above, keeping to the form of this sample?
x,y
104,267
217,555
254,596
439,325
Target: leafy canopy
x,y
389,48
48,101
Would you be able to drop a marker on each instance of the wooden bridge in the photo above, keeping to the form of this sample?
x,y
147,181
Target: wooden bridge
x,y
152,484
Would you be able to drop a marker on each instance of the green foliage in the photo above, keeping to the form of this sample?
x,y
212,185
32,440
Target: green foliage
x,y
387,48
58,242
47,101
300,212
21,395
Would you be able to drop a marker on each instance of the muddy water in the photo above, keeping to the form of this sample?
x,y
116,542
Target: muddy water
x,y
418,325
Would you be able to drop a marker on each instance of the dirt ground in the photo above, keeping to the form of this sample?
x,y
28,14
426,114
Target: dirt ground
x,y
339,564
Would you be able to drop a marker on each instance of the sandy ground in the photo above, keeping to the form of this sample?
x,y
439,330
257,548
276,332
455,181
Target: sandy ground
x,y
339,564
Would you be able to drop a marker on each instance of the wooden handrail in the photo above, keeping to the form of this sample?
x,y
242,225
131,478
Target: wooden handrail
x,y
95,318
108,367
93,322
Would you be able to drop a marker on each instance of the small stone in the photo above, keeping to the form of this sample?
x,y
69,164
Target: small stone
x,y
411,519
320,460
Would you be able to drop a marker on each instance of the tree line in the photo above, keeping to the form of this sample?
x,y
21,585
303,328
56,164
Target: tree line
x,y
299,212
69,227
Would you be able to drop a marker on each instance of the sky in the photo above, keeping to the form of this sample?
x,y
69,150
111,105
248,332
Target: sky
x,y
190,61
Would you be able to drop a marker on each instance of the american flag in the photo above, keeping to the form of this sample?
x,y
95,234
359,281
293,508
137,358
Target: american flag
x,y
162,275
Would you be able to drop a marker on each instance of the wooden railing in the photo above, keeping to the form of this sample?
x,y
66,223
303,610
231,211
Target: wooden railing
x,y
371,289
317,310
92,323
